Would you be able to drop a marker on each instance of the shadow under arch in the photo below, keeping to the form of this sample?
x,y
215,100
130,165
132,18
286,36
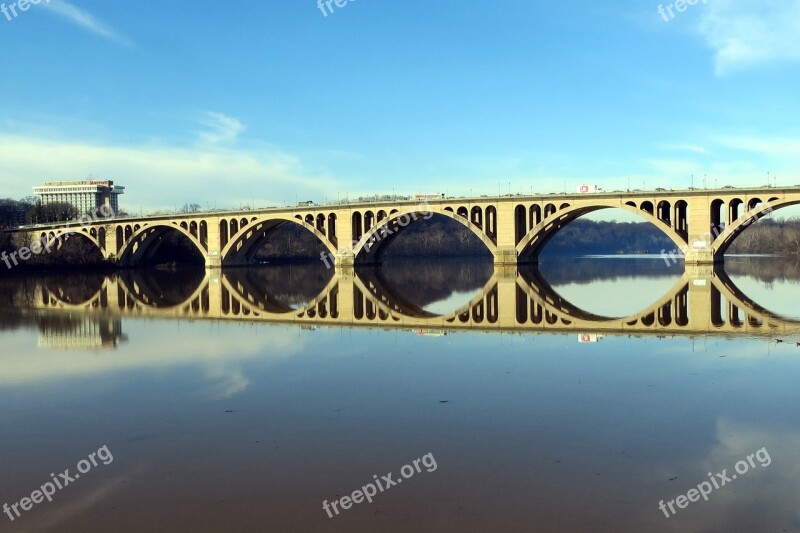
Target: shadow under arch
x,y
373,242
545,303
56,238
242,245
141,243
532,244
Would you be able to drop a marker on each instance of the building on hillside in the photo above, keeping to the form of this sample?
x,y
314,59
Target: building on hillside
x,y
85,196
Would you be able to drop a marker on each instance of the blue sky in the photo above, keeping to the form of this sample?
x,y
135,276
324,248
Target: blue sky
x,y
268,102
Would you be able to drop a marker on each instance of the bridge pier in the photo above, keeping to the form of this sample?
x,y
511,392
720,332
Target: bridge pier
x,y
345,259
702,256
213,260
506,256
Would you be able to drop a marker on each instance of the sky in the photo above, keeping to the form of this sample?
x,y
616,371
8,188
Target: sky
x,y
226,104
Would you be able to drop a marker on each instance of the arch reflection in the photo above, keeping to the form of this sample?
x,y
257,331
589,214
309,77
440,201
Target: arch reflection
x,y
701,301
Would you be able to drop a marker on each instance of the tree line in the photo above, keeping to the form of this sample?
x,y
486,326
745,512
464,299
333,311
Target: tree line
x,y
29,210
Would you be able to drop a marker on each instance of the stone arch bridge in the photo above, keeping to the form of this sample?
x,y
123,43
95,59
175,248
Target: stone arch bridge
x,y
515,229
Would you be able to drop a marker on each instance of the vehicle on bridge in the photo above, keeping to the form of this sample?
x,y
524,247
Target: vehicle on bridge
x,y
585,189
422,197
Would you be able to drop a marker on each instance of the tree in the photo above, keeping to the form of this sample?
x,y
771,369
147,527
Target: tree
x,y
190,208
54,212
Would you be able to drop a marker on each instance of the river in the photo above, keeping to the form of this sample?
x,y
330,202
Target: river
x,y
587,394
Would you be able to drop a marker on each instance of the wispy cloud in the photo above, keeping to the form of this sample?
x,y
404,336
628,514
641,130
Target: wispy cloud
x,y
744,33
87,21
220,128
692,148
773,146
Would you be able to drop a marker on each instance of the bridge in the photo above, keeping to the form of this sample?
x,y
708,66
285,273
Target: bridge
x,y
515,229
703,301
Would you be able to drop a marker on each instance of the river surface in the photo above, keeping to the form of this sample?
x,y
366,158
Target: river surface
x,y
573,397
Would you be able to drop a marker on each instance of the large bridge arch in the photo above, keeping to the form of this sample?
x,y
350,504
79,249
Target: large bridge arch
x,y
243,244
374,241
53,239
755,210
140,242
532,244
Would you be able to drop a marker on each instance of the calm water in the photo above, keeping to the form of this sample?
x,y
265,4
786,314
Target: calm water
x,y
574,397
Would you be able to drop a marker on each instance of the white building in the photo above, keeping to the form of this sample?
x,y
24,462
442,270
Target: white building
x,y
86,196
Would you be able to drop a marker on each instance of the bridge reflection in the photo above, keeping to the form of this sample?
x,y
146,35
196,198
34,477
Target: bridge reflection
x,y
703,300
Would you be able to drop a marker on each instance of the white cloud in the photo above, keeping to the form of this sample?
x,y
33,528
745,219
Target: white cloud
x,y
161,176
86,20
744,33
219,358
739,160
221,128
773,489
774,146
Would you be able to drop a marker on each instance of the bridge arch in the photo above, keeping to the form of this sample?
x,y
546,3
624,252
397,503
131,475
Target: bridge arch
x,y
241,246
141,242
375,240
54,237
531,245
759,210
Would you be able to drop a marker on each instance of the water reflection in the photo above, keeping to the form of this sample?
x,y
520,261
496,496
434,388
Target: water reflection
x,y
66,332
244,398
700,300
